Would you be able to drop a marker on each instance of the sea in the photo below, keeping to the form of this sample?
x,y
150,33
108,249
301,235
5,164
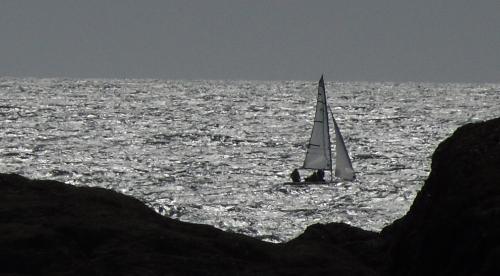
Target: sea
x,y
219,152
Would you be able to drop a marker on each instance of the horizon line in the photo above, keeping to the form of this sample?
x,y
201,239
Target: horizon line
x,y
240,79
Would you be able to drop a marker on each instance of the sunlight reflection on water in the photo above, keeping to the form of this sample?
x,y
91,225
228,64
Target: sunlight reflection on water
x,y
218,152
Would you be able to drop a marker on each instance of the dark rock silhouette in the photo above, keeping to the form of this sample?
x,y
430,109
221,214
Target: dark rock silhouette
x,y
50,228
452,228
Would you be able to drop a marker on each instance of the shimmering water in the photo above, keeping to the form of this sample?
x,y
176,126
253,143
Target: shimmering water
x,y
218,152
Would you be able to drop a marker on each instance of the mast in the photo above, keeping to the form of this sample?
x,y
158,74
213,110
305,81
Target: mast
x,y
326,108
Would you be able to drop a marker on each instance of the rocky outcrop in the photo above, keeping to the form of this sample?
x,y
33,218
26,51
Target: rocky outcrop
x,y
452,228
50,228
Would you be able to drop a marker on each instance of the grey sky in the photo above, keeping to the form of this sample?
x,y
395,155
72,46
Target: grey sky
x,y
371,40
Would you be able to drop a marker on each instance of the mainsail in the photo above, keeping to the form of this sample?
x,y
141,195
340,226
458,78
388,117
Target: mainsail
x,y
319,154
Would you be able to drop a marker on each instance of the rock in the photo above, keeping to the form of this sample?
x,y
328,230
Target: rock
x,y
453,226
50,228
344,246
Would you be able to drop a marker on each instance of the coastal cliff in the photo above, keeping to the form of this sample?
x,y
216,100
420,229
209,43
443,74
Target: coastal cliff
x,y
452,228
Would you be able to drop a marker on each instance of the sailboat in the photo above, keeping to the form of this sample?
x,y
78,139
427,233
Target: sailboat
x,y
319,152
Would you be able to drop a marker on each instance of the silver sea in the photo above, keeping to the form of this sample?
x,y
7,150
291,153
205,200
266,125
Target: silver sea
x,y
218,152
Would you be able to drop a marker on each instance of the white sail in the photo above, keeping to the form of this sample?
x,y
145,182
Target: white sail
x,y
319,154
343,165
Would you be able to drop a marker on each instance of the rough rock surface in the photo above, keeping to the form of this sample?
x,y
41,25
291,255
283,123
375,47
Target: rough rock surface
x,y
50,228
452,228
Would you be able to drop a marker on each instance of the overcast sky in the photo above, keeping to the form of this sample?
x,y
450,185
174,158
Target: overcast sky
x,y
369,40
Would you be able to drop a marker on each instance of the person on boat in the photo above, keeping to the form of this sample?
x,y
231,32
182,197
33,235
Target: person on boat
x,y
295,176
320,174
312,178
317,176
